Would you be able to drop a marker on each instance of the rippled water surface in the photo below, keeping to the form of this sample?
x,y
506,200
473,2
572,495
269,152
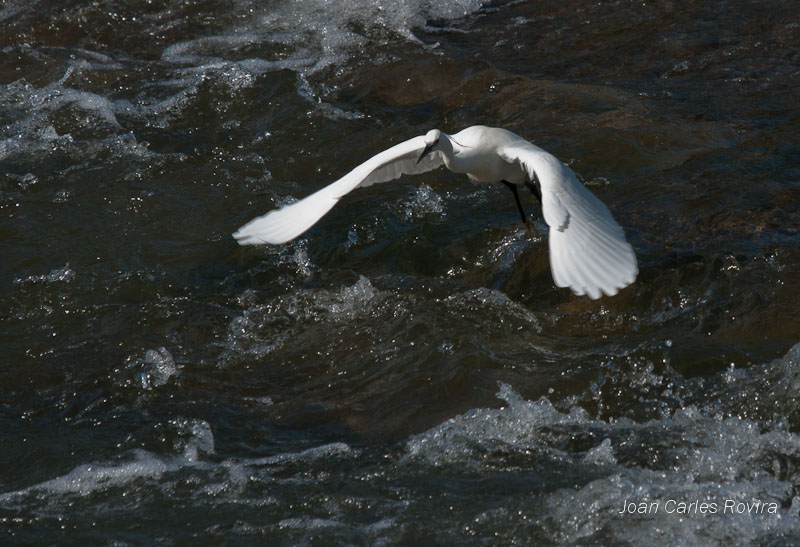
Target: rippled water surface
x,y
406,372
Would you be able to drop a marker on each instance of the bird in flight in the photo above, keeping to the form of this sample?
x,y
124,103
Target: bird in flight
x,y
588,249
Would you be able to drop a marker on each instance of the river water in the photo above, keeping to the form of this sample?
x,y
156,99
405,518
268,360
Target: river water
x,y
405,372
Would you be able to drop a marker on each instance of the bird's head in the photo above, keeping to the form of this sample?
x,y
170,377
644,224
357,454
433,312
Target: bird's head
x,y
432,139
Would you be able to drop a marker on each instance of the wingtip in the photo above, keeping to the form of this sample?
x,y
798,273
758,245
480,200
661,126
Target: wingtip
x,y
246,235
244,239
247,238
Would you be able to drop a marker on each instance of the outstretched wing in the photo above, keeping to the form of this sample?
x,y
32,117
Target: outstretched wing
x,y
588,250
285,224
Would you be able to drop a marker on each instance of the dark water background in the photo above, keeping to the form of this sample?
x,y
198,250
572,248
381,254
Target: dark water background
x,y
406,372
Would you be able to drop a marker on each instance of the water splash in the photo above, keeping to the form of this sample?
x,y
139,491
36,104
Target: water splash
x,y
159,367
423,202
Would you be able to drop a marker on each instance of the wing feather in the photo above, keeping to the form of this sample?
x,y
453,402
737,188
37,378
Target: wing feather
x,y
588,249
288,222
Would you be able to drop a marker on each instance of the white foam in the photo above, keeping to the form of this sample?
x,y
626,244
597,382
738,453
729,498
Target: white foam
x,y
516,425
306,91
352,300
310,35
322,452
195,51
194,438
34,112
510,315
89,478
602,454
266,327
718,460
304,36
57,275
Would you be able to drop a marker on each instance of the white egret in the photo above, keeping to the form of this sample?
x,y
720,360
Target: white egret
x,y
588,250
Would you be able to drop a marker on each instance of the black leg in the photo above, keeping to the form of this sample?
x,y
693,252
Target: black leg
x,y
513,188
534,188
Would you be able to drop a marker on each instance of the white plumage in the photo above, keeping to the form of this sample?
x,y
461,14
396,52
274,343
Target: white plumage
x,y
588,250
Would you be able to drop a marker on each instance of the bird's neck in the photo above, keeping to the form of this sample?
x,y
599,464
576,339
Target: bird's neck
x,y
450,150
457,157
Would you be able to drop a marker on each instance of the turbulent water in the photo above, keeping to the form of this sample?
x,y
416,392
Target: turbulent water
x,y
406,372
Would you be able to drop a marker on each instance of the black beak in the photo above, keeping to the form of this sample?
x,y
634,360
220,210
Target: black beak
x,y
426,151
